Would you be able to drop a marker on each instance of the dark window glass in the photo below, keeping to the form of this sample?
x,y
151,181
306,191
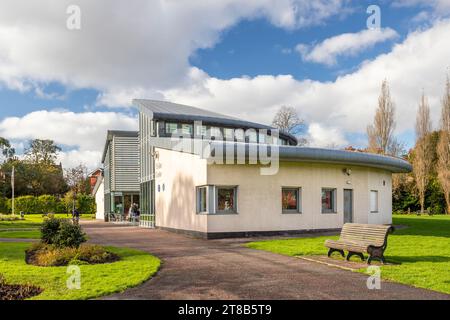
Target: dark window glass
x,y
226,199
202,199
290,199
328,200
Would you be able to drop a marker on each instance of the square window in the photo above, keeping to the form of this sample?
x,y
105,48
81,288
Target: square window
x,y
202,199
262,138
216,133
171,127
229,134
328,200
290,200
239,134
251,135
186,129
373,201
201,131
226,200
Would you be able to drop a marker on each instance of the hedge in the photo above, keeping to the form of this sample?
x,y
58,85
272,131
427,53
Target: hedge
x,y
49,204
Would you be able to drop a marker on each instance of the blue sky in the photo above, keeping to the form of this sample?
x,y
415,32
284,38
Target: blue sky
x,y
241,48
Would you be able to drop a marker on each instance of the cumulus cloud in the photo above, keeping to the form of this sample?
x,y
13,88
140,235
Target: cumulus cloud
x,y
128,47
321,136
82,134
418,63
347,44
440,7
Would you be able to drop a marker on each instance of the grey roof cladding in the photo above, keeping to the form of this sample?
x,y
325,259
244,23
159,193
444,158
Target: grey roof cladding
x,y
305,154
120,133
165,110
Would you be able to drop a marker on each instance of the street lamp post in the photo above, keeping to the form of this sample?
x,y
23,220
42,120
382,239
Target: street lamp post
x,y
13,207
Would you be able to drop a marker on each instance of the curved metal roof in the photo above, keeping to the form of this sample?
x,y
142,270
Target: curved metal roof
x,y
297,154
165,110
393,164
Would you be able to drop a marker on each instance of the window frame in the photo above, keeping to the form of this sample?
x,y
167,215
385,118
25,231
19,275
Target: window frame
x,y
377,207
198,198
333,210
298,210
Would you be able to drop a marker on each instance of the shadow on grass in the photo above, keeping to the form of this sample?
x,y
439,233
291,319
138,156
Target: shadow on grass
x,y
425,227
412,259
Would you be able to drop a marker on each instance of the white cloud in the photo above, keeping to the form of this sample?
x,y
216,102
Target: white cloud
x,y
347,44
83,133
440,7
348,103
321,136
128,47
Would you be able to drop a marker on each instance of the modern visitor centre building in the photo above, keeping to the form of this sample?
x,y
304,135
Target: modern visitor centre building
x,y
212,176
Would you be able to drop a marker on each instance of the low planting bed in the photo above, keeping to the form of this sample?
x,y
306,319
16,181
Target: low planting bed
x,y
50,256
133,268
17,292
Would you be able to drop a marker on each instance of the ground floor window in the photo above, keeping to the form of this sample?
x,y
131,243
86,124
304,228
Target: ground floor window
x,y
216,199
122,207
373,201
202,201
328,200
226,200
291,200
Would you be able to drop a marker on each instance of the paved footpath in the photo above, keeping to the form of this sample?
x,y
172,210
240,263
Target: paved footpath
x,y
224,269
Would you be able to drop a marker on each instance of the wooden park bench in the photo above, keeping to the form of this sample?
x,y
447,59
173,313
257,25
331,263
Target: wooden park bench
x,y
358,239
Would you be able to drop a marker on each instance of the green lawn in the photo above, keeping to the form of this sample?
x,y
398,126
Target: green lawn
x,y
32,222
96,280
24,234
421,251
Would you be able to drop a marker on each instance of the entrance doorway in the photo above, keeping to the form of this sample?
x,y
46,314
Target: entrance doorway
x,y
348,205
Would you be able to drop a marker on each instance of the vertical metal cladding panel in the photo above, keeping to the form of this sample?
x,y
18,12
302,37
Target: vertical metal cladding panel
x,y
125,164
107,170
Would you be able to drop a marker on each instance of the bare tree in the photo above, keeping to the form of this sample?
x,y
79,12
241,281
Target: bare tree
x,y
423,153
287,119
443,148
76,179
381,132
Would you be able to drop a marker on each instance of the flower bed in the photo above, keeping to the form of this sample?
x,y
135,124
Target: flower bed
x,y
45,255
17,292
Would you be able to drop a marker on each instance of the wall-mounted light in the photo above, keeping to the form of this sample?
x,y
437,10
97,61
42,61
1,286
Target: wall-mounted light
x,y
347,171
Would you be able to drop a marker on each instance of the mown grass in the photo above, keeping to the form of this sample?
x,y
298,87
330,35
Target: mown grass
x,y
30,226
134,268
26,234
420,253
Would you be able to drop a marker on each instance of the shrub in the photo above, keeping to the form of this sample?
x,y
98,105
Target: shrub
x,y
69,235
5,205
48,255
49,229
61,233
27,204
84,203
47,204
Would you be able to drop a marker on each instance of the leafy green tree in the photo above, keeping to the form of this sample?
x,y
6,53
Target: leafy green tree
x,y
42,152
